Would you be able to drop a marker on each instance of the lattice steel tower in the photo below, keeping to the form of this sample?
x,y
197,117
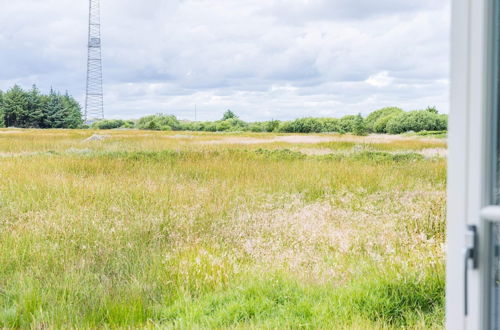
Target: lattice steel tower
x,y
94,103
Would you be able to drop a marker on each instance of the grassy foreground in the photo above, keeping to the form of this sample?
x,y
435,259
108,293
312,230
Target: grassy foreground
x,y
174,230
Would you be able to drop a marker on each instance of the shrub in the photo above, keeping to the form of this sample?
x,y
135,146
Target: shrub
x,y
432,133
377,120
112,124
190,126
380,156
347,123
208,126
306,125
432,110
256,127
284,127
159,122
418,120
271,126
280,154
442,122
330,125
381,124
231,125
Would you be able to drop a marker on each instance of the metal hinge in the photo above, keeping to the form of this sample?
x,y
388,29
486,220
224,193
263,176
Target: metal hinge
x,y
470,260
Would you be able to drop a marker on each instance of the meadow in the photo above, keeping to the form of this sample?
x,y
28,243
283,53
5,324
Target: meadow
x,y
185,230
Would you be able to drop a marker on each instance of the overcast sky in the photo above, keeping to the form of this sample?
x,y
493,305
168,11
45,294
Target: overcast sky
x,y
263,59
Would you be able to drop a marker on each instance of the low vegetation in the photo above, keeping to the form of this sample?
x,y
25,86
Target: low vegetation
x,y
140,229
31,109
387,120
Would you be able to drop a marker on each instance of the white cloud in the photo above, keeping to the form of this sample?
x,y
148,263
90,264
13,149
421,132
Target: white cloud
x,y
381,79
262,58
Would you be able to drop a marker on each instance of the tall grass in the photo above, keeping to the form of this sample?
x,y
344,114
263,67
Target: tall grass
x,y
164,230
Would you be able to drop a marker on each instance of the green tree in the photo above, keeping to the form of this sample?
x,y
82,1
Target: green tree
x,y
72,112
380,115
15,102
159,122
271,126
381,124
330,125
33,116
417,121
54,111
229,115
347,123
113,124
231,125
359,126
2,123
432,110
32,109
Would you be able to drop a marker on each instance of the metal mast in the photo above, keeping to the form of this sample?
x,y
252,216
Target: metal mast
x,y
94,104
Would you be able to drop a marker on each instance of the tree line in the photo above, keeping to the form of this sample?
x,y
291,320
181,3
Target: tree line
x,y
32,109
390,120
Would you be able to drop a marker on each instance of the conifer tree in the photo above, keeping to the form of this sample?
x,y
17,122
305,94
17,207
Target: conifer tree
x,y
32,109
359,126
35,107
53,111
15,103
2,122
72,112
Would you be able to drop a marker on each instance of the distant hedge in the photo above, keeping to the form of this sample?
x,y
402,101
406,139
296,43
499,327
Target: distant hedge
x,y
417,121
32,109
159,123
376,122
389,120
113,124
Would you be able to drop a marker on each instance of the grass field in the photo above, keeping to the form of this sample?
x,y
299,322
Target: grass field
x,y
183,230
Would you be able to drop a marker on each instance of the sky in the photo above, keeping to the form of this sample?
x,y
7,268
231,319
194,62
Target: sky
x,y
263,59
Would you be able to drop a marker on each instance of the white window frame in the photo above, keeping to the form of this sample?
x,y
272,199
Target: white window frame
x,y
468,163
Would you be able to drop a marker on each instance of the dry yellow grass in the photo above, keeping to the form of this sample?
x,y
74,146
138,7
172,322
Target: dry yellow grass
x,y
146,229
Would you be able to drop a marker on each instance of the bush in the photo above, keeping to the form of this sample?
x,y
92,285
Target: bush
x,y
381,124
306,125
280,154
347,123
330,125
321,125
442,122
231,125
159,122
271,126
263,126
380,156
416,121
112,124
377,120
186,125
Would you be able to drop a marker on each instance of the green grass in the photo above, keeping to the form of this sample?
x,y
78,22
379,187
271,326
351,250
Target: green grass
x,y
175,230
278,302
